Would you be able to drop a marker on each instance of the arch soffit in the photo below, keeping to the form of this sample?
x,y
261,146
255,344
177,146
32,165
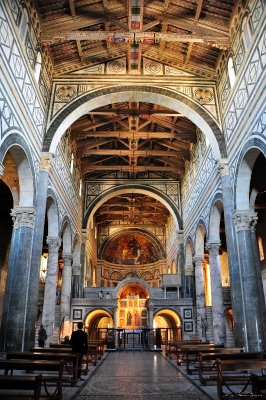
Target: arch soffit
x,y
95,311
145,232
199,237
251,150
52,213
189,251
15,139
65,232
171,309
215,218
134,280
161,96
140,189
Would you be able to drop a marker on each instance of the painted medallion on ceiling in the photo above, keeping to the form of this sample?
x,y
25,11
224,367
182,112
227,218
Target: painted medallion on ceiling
x,y
131,249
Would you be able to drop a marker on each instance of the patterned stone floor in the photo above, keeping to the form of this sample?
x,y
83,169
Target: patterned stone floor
x,y
139,376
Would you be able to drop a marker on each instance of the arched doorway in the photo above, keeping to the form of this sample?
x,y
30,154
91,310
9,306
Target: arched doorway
x,y
169,323
98,323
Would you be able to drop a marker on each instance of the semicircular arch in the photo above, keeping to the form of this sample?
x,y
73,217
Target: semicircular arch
x,y
156,95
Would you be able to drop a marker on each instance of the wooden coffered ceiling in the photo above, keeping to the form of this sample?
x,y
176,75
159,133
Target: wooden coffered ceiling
x,y
188,34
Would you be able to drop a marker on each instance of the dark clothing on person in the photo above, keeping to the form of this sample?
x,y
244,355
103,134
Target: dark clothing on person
x,y
79,342
42,336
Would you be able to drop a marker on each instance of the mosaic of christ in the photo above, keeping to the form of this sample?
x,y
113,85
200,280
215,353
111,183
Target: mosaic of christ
x,y
131,249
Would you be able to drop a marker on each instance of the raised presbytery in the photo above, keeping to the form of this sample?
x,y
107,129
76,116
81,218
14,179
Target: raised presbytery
x,y
133,171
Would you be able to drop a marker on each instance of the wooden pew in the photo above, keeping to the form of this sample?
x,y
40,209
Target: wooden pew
x,y
185,351
60,345
258,385
236,373
29,355
208,367
51,349
43,366
20,387
171,347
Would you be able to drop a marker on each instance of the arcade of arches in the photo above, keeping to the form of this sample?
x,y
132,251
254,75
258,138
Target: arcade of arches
x,y
132,170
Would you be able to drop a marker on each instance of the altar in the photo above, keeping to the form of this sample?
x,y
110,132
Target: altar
x,y
132,310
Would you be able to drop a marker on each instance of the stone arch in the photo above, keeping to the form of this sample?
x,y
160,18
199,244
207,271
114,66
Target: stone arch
x,y
17,147
52,214
76,250
246,161
93,318
215,219
189,251
66,235
168,310
122,189
160,96
136,281
152,237
199,238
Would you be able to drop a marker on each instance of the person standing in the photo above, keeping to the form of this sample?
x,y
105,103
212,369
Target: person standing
x,y
79,342
42,336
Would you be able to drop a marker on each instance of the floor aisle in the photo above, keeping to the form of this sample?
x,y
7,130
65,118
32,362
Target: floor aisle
x,y
139,376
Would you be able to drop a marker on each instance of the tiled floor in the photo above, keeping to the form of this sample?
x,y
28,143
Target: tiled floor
x,y
137,375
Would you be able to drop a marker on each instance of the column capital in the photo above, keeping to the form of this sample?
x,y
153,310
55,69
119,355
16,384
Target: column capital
x,y
223,166
188,269
46,161
180,236
245,220
213,248
198,259
23,216
68,258
53,244
84,235
2,169
76,269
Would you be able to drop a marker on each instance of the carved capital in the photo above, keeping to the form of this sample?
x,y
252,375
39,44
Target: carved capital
x,y
68,258
76,269
223,167
180,236
2,168
245,220
213,248
53,244
84,235
189,269
46,161
198,259
23,216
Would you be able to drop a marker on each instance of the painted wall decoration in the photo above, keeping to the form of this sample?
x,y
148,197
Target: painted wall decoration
x,y
131,249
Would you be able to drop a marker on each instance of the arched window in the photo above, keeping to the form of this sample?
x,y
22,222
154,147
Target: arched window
x,y
231,72
246,32
72,163
24,25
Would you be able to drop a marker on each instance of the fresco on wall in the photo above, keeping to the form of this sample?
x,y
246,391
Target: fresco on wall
x,y
131,249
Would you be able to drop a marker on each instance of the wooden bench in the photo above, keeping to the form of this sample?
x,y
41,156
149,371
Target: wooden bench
x,y
13,386
51,349
49,356
207,362
60,345
236,373
185,351
171,347
258,385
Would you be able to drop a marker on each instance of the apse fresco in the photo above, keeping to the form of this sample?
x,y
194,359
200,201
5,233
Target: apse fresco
x,y
131,249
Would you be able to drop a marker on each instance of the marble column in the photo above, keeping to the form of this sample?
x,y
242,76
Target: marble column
x,y
66,291
218,319
12,336
33,292
182,264
200,298
244,221
233,259
115,319
256,257
75,281
49,302
83,262
189,281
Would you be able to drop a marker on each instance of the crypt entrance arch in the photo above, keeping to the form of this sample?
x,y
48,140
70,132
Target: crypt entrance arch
x,y
170,324
97,322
